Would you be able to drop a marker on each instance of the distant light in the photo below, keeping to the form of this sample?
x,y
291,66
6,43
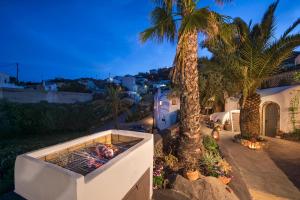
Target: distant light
x,y
160,103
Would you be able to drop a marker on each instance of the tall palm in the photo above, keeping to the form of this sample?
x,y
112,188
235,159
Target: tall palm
x,y
254,55
114,104
181,21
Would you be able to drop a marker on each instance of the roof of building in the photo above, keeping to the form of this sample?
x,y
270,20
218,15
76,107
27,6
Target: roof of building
x,y
276,90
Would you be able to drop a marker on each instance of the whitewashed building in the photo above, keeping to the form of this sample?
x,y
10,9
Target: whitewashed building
x,y
4,78
129,82
50,86
275,109
165,109
5,82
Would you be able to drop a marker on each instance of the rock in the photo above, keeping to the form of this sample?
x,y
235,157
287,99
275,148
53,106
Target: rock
x,y
208,188
168,195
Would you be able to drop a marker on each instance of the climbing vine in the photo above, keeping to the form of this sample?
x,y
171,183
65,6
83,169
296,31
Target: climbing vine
x,y
293,109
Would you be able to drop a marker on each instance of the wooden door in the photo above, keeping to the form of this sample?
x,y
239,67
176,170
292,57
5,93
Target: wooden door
x,y
271,119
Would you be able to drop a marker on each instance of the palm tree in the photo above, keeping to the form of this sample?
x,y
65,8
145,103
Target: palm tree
x,y
254,55
114,103
181,21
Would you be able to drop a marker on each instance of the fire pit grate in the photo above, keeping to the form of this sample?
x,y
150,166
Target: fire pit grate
x,y
85,160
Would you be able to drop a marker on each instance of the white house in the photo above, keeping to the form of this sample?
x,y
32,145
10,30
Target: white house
x,y
4,78
116,80
5,82
129,82
165,109
275,109
50,86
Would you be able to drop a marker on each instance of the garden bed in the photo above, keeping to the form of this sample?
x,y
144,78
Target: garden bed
x,y
166,165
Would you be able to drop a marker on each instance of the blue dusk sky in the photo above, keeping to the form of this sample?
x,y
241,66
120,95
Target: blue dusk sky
x,y
77,38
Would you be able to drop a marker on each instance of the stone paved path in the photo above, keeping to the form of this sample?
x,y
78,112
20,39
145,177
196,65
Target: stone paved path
x,y
286,155
263,178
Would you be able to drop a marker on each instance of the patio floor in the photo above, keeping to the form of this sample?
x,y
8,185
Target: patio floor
x,y
286,155
264,180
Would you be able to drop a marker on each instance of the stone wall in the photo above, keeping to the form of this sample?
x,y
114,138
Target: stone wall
x,y
36,96
282,79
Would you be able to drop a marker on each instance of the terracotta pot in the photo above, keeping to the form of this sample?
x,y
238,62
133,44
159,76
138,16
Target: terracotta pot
x,y
227,127
192,175
224,179
245,143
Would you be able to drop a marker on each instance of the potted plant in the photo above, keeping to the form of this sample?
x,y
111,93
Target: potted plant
x,y
227,125
192,173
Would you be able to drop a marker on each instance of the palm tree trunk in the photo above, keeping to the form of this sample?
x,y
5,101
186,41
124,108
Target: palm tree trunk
x,y
249,116
190,142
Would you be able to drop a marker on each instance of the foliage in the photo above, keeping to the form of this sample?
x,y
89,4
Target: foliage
x,y
44,118
209,164
137,113
158,175
113,103
294,109
297,76
253,53
210,144
212,164
294,136
224,166
171,161
73,86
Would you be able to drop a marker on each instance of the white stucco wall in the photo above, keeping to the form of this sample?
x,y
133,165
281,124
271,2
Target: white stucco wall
x,y
4,78
297,60
36,179
165,113
280,95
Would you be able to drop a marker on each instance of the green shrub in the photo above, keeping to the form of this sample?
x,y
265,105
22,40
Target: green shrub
x,y
44,118
209,164
210,144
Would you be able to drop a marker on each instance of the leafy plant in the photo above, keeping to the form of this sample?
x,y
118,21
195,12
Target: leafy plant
x,y
224,166
209,164
294,109
171,161
158,175
210,144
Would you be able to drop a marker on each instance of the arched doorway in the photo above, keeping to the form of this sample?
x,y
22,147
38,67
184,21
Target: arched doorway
x,y
271,119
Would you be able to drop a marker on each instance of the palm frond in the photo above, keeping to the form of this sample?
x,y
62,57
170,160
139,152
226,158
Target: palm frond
x,y
283,48
164,26
197,20
267,24
291,28
242,27
221,2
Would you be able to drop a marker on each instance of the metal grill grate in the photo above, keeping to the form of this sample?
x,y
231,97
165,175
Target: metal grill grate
x,y
85,160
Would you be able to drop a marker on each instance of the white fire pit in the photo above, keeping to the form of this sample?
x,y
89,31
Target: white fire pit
x,y
75,170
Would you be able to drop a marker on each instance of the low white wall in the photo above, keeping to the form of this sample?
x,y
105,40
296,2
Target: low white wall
x,y
36,179
283,99
36,96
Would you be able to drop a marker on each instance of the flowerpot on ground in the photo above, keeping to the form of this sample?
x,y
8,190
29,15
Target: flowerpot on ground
x,y
192,175
224,179
227,127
